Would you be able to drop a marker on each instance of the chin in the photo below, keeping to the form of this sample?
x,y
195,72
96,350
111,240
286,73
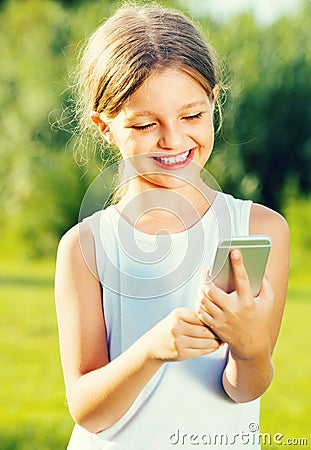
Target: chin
x,y
166,181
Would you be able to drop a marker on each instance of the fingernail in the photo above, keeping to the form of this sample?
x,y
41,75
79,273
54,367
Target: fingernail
x,y
235,254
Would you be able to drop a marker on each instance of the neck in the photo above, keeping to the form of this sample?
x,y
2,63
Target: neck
x,y
152,208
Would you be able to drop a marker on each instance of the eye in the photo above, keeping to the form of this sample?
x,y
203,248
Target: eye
x,y
143,127
194,116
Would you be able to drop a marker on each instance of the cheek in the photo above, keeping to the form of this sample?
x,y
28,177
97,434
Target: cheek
x,y
121,136
126,146
210,128
135,145
205,136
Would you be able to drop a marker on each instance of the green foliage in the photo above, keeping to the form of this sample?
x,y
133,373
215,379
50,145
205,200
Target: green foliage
x,y
263,151
42,187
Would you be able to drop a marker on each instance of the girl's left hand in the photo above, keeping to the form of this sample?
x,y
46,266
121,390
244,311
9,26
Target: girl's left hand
x,y
238,319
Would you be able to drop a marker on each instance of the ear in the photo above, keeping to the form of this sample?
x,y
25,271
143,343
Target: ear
x,y
214,96
103,127
215,93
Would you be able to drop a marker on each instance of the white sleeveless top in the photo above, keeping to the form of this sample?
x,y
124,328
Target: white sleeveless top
x,y
144,277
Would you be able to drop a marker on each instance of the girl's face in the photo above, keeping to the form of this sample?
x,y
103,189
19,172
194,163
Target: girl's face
x,y
165,130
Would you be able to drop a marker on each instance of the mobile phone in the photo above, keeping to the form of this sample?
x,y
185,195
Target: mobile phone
x,y
255,251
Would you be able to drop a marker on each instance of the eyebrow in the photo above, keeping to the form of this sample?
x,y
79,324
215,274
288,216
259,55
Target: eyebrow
x,y
145,113
192,104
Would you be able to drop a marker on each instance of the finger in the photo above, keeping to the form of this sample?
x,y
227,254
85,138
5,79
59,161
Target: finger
x,y
204,332
241,280
198,329
204,277
191,319
200,344
191,324
206,318
193,353
207,306
184,314
213,297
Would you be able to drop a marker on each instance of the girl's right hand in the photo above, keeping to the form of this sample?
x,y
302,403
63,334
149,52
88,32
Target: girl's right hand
x,y
180,336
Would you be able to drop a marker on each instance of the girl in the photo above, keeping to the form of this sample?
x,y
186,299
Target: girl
x,y
153,357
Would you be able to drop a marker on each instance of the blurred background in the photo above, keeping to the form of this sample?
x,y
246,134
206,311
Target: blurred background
x,y
263,152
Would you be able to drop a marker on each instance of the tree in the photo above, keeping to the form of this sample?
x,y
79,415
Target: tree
x,y
264,151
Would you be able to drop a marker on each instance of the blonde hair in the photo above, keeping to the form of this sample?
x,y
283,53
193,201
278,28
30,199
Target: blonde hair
x,y
131,45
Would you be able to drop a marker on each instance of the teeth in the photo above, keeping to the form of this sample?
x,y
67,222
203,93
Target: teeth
x,y
174,159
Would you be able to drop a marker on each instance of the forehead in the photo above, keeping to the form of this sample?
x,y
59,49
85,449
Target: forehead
x,y
169,88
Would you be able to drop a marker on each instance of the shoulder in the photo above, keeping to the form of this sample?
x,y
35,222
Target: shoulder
x,y
263,219
76,247
71,240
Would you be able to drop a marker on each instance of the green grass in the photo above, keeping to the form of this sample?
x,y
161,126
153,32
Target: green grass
x,y
33,413
286,406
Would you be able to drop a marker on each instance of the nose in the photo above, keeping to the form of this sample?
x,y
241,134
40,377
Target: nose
x,y
171,136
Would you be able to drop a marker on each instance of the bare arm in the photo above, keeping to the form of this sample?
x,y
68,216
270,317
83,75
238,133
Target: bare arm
x,y
251,326
100,392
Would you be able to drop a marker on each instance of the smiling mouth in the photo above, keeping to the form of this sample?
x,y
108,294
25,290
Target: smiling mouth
x,y
177,161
